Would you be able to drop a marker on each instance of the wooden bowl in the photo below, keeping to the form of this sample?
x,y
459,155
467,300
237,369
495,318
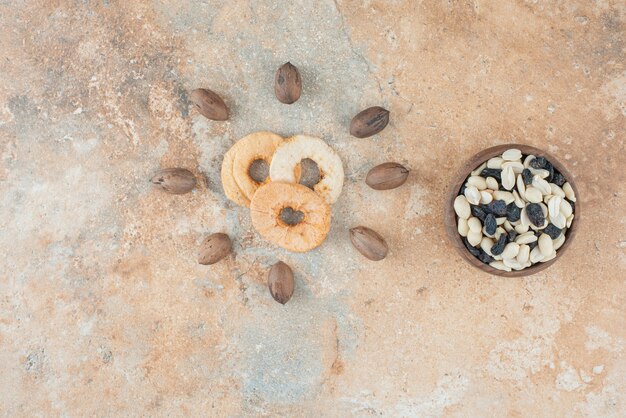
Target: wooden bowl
x,y
451,221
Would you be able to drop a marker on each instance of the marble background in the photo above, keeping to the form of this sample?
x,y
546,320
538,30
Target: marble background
x,y
104,310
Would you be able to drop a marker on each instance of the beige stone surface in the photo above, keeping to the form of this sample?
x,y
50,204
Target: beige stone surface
x,y
104,310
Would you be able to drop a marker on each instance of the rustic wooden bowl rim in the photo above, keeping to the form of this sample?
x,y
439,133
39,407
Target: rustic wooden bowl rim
x,y
450,216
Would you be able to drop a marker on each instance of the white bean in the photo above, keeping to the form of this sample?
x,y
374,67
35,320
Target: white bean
x,y
501,220
511,250
462,207
536,255
473,195
539,172
556,190
518,200
545,245
500,266
507,226
559,220
508,178
549,257
566,208
516,166
559,241
526,238
474,224
512,262
541,184
524,218
486,243
533,195
492,183
499,231
520,229
569,192
502,195
495,162
554,206
528,159
479,169
521,187
477,182
462,227
474,237
523,254
512,154
570,219
485,197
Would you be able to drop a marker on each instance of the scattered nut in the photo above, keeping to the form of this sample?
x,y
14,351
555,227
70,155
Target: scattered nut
x,y
214,248
280,282
174,180
387,176
369,122
369,243
209,104
287,83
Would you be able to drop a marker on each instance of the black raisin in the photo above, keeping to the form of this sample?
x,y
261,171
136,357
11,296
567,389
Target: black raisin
x,y
552,231
535,214
490,224
479,212
497,207
558,179
485,258
533,244
512,235
473,250
513,212
498,247
539,162
496,173
550,169
462,191
527,176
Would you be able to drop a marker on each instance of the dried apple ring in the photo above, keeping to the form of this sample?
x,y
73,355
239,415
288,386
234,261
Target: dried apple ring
x,y
231,189
256,147
290,215
285,166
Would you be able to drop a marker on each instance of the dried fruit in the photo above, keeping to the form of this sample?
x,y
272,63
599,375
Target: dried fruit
x,y
473,250
527,176
485,258
209,104
539,162
479,212
496,173
286,167
174,180
490,224
558,179
369,243
497,207
512,235
287,83
535,214
280,282
498,247
552,231
386,176
513,212
369,122
214,248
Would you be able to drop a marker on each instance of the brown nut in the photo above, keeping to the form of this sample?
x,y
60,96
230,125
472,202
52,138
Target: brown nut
x,y
287,83
369,243
174,180
369,122
209,104
214,248
387,176
280,282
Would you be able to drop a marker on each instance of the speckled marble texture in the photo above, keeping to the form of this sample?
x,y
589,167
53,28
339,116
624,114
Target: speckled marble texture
x,y
104,310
